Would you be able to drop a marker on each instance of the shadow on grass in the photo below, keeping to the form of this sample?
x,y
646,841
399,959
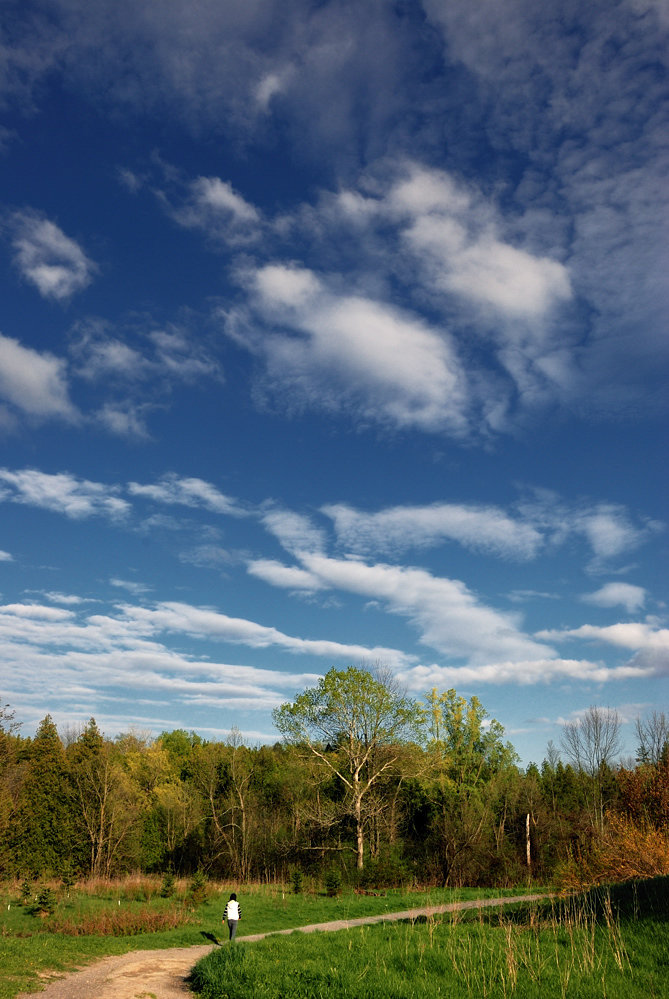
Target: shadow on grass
x,y
212,937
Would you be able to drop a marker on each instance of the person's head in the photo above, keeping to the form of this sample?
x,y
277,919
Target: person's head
x,y
233,897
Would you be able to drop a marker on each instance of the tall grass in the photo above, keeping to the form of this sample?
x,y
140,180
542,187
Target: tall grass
x,y
586,947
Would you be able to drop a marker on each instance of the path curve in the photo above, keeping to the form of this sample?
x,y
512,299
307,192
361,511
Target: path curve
x,y
162,974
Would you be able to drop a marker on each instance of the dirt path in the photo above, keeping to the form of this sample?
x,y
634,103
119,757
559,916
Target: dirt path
x,y
162,974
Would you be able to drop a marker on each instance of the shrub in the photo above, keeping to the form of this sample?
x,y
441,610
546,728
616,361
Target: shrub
x,y
26,895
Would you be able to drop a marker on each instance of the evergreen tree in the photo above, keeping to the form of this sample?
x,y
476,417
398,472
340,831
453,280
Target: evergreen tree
x,y
42,835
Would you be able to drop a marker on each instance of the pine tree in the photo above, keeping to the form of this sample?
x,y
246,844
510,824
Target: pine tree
x,y
41,839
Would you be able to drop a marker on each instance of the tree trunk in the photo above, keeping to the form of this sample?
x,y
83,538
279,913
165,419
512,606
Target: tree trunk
x,y
360,839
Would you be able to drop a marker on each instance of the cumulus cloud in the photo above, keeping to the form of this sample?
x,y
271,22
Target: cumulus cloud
x,y
62,493
454,235
352,353
53,262
617,594
34,384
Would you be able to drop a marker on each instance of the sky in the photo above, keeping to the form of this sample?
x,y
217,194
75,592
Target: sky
x,y
333,333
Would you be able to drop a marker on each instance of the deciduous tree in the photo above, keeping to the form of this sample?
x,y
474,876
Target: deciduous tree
x,y
352,722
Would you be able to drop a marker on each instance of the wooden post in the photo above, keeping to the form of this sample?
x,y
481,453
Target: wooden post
x,y
528,853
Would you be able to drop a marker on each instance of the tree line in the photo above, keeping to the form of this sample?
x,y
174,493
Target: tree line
x,y
367,781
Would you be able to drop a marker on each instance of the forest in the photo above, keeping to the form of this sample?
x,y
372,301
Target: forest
x,y
367,785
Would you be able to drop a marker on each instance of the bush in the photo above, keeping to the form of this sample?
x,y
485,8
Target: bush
x,y
390,871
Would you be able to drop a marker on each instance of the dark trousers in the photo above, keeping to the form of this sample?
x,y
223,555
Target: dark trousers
x,y
232,928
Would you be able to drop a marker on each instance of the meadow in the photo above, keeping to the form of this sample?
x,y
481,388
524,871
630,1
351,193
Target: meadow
x,y
98,918
609,942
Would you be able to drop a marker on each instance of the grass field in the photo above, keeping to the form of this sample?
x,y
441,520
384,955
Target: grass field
x,y
608,943
29,947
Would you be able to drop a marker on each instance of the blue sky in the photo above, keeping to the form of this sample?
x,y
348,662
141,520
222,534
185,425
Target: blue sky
x,y
332,333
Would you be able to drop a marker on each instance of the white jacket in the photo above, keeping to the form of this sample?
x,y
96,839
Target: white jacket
x,y
232,910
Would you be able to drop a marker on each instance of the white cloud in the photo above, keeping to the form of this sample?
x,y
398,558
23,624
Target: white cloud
x,y
481,528
201,622
447,615
132,586
454,235
192,492
6,557
272,84
62,493
639,637
216,208
295,532
287,576
521,673
609,529
103,354
91,662
35,384
125,419
49,259
617,594
218,196
36,612
354,353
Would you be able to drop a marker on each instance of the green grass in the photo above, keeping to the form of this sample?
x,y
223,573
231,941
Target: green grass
x,y
28,951
604,944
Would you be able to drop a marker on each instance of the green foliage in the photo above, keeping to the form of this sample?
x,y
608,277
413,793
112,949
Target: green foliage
x,y
403,793
198,888
168,887
296,879
68,878
27,892
45,902
332,882
41,837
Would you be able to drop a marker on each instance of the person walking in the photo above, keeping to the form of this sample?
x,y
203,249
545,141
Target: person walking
x,y
233,913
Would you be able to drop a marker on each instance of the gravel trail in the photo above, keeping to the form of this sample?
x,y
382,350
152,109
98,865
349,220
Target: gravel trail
x,y
162,974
